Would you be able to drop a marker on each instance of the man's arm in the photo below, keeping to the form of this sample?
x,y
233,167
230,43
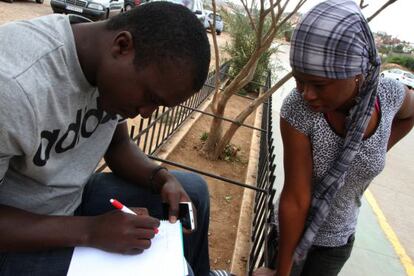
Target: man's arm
x,y
404,119
24,231
21,230
125,159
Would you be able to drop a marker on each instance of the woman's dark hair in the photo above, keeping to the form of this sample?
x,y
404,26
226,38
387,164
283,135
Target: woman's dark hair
x,y
164,31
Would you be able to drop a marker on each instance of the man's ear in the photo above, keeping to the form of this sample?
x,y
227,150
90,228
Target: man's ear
x,y
123,44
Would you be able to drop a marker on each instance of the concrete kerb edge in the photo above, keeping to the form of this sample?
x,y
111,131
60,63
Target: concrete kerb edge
x,y
242,245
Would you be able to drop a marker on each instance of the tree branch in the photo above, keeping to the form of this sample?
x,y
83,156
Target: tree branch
x,y
217,59
245,113
271,90
268,39
244,3
389,2
362,6
273,5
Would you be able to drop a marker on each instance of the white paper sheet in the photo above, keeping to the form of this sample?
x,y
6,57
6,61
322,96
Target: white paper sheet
x,y
164,257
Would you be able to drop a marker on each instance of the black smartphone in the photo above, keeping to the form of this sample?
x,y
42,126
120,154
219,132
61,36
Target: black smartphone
x,y
185,214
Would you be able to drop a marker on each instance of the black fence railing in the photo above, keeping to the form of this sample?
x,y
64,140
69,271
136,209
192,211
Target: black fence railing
x,y
151,133
263,212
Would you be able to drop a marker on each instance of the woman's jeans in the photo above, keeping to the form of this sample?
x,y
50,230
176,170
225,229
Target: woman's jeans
x,y
324,261
99,189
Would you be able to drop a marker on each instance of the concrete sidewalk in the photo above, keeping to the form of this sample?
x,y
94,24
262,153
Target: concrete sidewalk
x,y
373,253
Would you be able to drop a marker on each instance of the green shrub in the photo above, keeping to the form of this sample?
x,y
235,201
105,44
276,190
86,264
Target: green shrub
x,y
230,153
243,45
204,136
403,60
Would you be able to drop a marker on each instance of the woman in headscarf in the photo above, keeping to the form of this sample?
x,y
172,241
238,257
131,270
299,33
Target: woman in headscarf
x,y
337,125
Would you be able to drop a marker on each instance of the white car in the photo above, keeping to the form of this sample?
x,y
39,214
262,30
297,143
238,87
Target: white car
x,y
208,18
92,9
404,77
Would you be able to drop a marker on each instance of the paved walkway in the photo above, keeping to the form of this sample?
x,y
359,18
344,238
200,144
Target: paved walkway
x,y
384,244
373,253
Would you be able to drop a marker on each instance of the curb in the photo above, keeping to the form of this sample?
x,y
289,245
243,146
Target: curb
x,y
242,245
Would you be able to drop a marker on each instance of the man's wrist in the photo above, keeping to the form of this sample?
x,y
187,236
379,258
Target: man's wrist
x,y
154,180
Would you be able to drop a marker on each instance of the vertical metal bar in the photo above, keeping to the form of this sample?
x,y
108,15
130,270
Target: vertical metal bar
x,y
166,117
170,121
160,125
141,123
132,131
200,96
263,205
152,132
174,119
193,103
182,115
177,117
146,134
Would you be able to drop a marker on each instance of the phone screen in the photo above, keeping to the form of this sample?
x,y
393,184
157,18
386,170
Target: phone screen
x,y
185,214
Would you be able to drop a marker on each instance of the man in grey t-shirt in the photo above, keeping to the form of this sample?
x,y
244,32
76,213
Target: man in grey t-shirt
x,y
64,89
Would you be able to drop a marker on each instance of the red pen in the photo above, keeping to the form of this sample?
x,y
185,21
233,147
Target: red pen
x,y
118,205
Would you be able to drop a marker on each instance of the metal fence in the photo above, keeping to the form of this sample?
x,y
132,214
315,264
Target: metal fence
x,y
263,227
151,133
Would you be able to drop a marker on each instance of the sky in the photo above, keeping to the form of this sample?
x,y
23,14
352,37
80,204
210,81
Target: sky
x,y
396,20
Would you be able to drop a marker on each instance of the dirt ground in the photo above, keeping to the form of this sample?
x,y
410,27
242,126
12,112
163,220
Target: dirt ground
x,y
225,198
23,9
394,65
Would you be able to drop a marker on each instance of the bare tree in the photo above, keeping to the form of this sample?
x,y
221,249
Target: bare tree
x,y
275,12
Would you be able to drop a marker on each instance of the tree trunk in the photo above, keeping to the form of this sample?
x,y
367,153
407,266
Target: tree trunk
x,y
225,140
214,136
216,130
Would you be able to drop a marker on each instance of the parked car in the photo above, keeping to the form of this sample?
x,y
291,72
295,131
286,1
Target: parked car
x,y
37,1
92,9
200,15
404,77
208,18
129,4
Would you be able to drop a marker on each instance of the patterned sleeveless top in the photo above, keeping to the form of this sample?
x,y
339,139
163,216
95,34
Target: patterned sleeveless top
x,y
326,146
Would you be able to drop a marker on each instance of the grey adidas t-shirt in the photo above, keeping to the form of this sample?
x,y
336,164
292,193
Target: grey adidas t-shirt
x,y
52,136
326,147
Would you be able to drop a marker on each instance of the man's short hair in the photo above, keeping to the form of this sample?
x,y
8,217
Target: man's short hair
x,y
164,31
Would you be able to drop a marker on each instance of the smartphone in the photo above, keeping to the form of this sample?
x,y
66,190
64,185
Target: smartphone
x,y
185,214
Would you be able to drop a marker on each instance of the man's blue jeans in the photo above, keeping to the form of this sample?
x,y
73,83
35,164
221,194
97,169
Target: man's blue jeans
x,y
100,188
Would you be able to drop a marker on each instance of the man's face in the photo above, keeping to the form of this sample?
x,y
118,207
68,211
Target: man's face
x,y
129,92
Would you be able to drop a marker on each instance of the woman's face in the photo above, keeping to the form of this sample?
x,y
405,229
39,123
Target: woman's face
x,y
325,95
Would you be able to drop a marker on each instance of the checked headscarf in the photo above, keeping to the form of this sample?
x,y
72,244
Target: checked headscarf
x,y
333,40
